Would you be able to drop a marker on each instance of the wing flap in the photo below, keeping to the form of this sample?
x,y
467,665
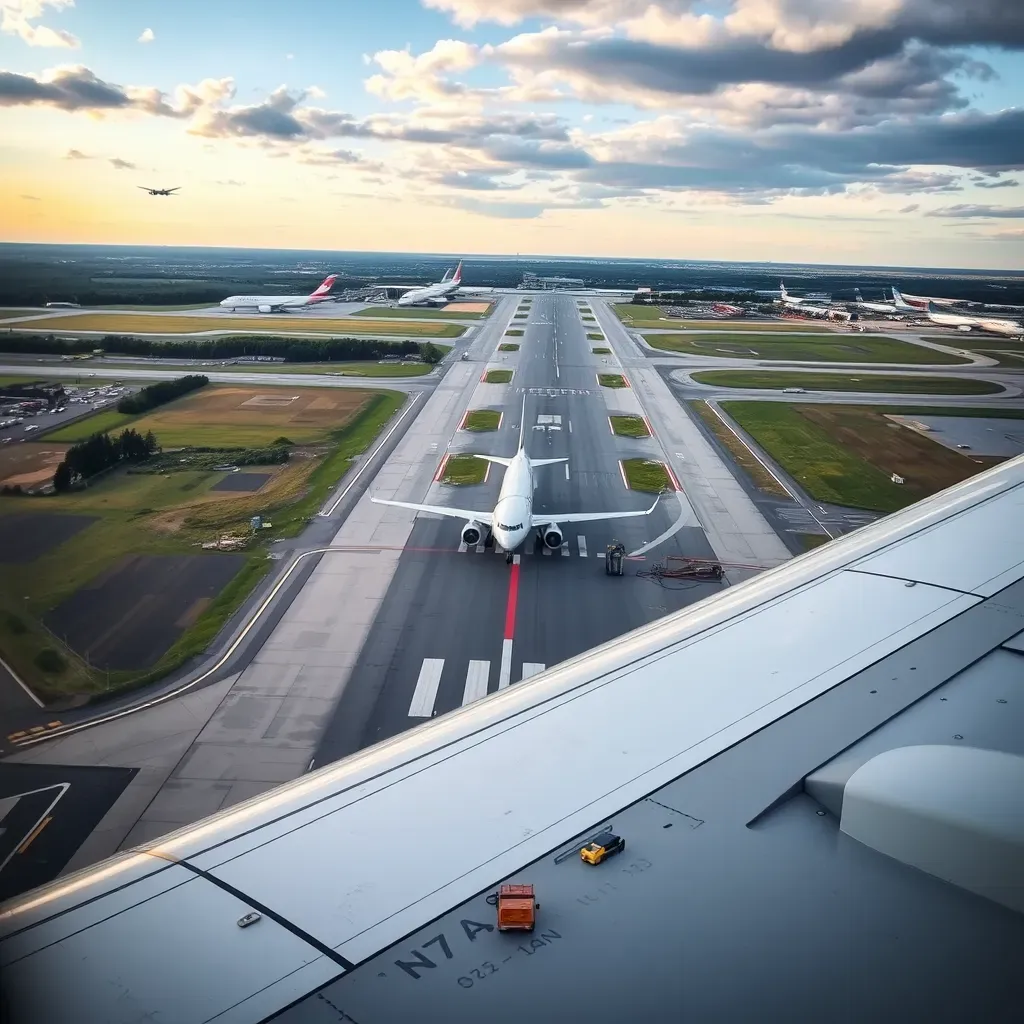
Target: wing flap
x,y
588,517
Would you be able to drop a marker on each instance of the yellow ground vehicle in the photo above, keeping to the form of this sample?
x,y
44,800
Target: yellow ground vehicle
x,y
602,846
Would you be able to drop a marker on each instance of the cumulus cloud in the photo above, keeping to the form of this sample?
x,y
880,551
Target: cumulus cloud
x,y
147,36
121,165
31,199
509,12
76,154
1001,183
17,17
971,210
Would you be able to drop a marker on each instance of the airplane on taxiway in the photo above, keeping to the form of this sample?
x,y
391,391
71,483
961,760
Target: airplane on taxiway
x,y
159,191
278,303
434,294
512,519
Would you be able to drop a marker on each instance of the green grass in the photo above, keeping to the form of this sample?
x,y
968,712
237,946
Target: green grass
x,y
412,313
588,319
601,351
160,309
630,426
852,348
481,420
775,381
21,380
585,309
595,336
824,468
520,316
497,376
127,506
10,314
508,347
611,380
514,333
98,423
812,540
462,470
652,317
644,475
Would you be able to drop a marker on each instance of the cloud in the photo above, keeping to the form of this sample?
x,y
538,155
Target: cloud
x,y
121,165
31,199
231,181
509,12
473,181
1003,183
76,88
970,210
271,119
16,17
147,36
912,208
76,154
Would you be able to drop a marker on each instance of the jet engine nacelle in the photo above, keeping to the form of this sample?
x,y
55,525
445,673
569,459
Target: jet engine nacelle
x,y
964,328
265,309
472,533
552,536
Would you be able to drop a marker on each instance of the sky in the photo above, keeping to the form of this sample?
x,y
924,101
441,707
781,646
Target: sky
x,y
883,132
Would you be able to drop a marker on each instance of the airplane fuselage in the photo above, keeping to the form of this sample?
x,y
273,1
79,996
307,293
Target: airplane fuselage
x,y
269,302
435,293
513,513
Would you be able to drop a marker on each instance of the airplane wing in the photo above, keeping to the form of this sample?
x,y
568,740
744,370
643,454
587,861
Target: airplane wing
x,y
796,761
438,510
587,517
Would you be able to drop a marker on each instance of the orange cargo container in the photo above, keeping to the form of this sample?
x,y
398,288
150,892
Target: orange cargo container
x,y
516,908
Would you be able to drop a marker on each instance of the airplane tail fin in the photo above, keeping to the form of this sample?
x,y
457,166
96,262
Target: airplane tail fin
x,y
857,295
325,287
444,280
457,276
782,290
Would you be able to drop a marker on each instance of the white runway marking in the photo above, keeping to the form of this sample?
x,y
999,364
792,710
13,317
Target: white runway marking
x,y
476,681
480,548
425,694
582,541
505,673
565,549
532,668
463,548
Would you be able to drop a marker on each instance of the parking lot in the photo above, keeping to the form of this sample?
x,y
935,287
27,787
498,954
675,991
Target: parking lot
x,y
81,399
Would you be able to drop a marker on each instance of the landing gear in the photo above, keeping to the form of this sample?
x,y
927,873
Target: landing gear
x,y
489,540
508,557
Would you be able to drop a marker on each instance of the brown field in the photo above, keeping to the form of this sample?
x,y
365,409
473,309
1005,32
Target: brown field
x,y
28,465
466,307
250,416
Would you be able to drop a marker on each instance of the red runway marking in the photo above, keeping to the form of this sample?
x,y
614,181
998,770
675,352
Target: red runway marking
x,y
510,608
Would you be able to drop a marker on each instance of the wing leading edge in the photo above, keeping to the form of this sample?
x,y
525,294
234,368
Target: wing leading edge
x,y
438,510
588,517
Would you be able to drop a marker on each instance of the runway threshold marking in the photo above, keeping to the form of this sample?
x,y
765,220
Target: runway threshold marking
x,y
425,694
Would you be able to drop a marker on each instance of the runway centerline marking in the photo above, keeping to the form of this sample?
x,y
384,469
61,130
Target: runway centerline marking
x,y
505,673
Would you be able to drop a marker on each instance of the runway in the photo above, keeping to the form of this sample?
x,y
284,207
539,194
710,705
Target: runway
x,y
458,622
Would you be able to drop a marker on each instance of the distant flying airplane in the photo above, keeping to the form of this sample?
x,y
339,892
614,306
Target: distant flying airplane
x,y
512,519
159,191
434,294
279,303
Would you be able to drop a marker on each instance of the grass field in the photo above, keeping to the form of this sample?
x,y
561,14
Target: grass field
x,y
161,309
481,420
588,319
412,313
497,376
651,317
508,347
847,454
125,323
1005,353
630,426
647,475
157,514
611,380
514,333
8,314
761,478
775,381
859,348
223,415
601,351
462,470
595,336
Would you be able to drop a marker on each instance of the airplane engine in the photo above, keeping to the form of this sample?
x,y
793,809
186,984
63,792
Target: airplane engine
x,y
552,536
964,328
471,533
265,309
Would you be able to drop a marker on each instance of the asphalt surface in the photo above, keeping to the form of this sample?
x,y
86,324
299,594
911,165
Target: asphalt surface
x,y
448,614
46,813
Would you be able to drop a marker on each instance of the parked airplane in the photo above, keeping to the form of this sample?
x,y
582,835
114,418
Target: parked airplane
x,y
920,302
434,294
512,519
278,303
812,307
962,322
875,307
159,191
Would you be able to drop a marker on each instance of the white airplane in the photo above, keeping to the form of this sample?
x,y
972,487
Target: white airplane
x,y
920,302
512,519
875,307
279,303
812,307
434,294
962,322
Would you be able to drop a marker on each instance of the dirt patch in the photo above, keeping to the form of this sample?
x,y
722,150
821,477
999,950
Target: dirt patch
x,y
191,616
926,466
26,537
467,307
241,482
29,464
128,618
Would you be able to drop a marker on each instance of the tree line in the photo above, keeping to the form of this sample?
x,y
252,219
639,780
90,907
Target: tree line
x,y
100,452
158,394
311,350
